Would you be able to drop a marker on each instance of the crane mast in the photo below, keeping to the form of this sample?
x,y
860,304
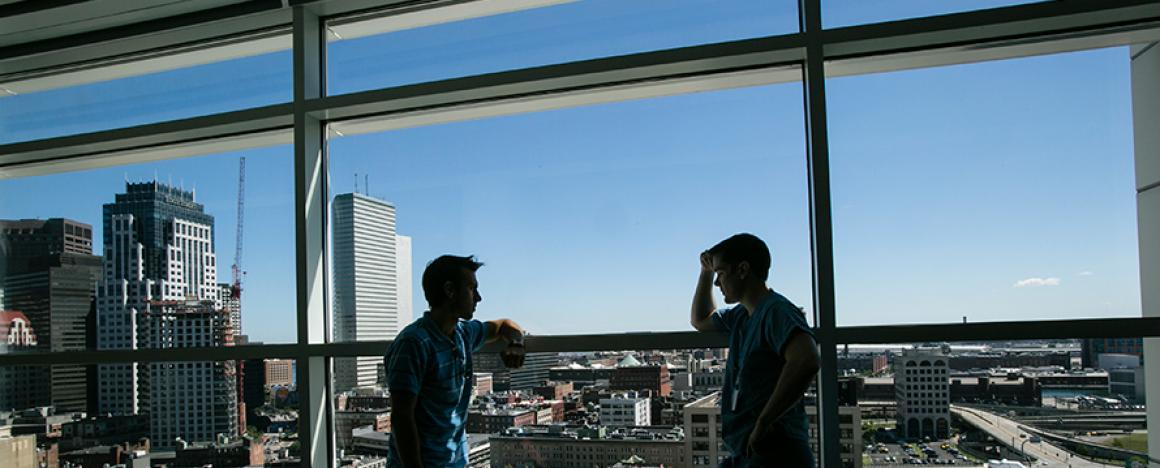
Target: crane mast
x,y
236,269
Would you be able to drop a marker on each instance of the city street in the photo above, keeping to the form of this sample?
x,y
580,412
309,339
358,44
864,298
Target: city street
x,y
1005,431
896,456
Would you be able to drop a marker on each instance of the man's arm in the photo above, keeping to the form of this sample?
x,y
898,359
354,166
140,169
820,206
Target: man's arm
x,y
703,303
801,365
406,431
513,355
506,329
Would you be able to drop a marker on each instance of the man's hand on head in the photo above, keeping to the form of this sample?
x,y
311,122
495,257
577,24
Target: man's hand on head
x,y
706,261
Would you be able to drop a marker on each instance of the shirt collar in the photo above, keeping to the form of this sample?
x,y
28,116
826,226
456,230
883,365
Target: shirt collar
x,y
433,328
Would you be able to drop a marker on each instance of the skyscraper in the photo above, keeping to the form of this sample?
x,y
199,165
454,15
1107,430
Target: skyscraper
x,y
20,386
159,290
232,305
191,400
49,273
372,282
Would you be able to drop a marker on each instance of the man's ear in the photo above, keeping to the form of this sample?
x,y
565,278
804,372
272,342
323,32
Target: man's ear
x,y
743,269
448,290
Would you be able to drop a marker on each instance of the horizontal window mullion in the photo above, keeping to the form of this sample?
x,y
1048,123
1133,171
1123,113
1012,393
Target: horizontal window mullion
x,y
992,331
1021,24
877,334
227,125
217,353
124,43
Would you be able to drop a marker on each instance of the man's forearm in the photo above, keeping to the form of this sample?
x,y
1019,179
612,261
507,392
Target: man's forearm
x,y
794,381
703,303
407,441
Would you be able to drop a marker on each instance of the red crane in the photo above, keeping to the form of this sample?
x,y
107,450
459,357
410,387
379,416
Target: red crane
x,y
236,285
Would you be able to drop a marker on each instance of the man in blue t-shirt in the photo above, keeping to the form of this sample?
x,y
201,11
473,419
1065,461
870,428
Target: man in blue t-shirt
x,y
429,367
772,356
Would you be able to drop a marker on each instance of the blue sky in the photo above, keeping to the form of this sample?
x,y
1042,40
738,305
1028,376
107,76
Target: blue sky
x,y
998,191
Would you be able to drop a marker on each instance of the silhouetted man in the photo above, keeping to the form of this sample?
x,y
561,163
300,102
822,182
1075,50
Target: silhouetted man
x,y
429,367
772,356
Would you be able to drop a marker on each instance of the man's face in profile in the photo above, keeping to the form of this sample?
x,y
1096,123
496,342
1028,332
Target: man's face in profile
x,y
466,296
725,280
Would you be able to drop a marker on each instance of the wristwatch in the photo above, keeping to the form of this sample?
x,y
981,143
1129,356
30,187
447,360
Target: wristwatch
x,y
519,342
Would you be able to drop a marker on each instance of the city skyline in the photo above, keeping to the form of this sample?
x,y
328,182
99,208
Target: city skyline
x,y
993,191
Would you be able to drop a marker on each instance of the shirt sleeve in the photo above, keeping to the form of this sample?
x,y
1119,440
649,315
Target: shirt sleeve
x,y
726,317
406,364
474,334
783,322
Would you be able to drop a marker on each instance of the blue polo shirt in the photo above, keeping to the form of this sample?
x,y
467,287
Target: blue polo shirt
x,y
753,369
437,369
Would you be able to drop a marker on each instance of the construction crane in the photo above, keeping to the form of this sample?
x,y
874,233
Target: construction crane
x,y
236,285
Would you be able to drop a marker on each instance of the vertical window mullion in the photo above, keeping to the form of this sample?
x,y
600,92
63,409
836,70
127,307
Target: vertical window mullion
x,y
821,231
310,192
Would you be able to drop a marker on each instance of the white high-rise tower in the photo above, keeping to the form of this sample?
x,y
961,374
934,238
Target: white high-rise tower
x,y
372,282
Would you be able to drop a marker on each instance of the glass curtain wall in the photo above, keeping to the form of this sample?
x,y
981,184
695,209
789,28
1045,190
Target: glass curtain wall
x,y
991,183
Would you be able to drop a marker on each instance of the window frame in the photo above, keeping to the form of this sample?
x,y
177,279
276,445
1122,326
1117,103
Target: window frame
x,y
811,55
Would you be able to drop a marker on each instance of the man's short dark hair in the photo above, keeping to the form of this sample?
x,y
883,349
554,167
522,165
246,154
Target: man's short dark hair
x,y
443,269
744,247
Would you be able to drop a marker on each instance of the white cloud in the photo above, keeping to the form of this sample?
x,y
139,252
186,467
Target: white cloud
x,y
1037,282
1086,273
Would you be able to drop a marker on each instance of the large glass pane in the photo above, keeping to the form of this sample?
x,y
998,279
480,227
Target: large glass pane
x,y
1061,402
425,46
838,13
189,413
136,93
992,191
86,255
588,220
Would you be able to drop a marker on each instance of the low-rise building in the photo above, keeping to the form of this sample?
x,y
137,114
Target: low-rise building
x,y
127,455
553,390
580,375
704,445
922,393
224,452
494,421
482,383
362,461
279,372
578,447
346,421
478,451
627,409
1004,389
1125,375
103,430
366,441
849,434
709,380
654,379
19,452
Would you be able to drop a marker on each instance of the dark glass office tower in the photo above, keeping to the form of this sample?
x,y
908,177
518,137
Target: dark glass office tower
x,y
48,273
